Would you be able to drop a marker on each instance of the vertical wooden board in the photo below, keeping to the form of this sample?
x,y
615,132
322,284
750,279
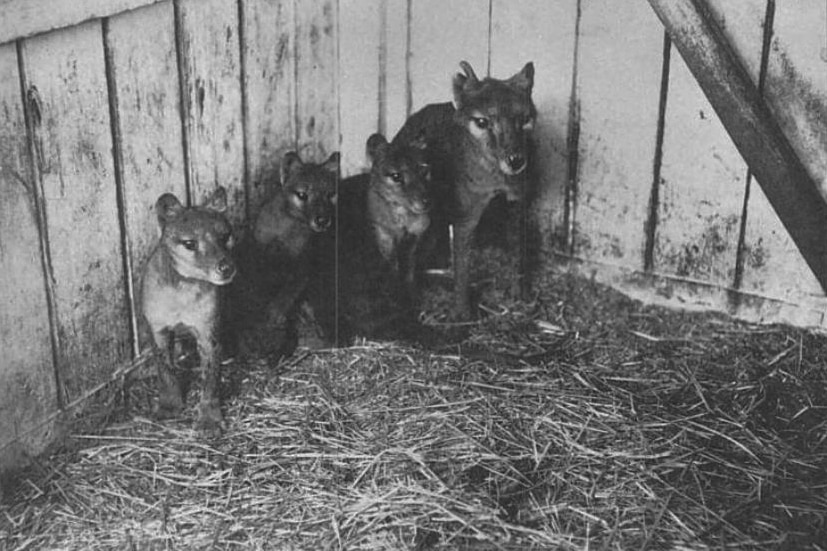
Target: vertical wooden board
x,y
27,372
796,87
618,88
317,79
269,44
212,82
442,35
396,67
75,152
359,80
773,266
542,32
146,78
702,187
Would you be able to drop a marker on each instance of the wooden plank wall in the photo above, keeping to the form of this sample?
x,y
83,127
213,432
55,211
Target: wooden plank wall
x,y
106,105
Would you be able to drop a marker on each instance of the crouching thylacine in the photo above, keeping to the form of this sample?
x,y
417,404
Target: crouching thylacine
x,y
273,256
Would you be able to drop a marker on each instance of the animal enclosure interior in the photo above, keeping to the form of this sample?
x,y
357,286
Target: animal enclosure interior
x,y
638,186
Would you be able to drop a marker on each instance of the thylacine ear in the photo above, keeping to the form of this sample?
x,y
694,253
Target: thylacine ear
x,y
290,163
376,147
333,163
217,201
167,207
463,82
525,78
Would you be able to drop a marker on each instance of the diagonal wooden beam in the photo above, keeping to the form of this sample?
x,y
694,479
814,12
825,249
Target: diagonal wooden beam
x,y
792,192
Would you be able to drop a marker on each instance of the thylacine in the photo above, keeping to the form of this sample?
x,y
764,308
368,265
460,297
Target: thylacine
x,y
273,256
398,205
362,283
179,294
478,148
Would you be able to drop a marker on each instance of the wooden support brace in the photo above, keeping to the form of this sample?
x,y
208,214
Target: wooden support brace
x,y
792,192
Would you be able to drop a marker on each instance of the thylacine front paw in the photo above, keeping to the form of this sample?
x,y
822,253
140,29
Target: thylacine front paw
x,y
462,310
210,421
170,403
165,410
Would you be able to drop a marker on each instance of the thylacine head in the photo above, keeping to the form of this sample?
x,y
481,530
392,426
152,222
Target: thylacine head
x,y
498,114
306,198
400,178
197,239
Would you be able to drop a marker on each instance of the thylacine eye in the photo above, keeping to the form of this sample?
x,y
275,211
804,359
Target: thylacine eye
x,y
395,176
190,244
301,195
482,123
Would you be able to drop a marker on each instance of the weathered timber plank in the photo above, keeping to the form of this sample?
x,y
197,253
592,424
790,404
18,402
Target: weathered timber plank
x,y
317,79
27,382
74,151
773,266
25,18
359,72
702,186
542,32
270,87
675,292
438,45
618,88
142,44
742,23
796,85
397,32
752,127
212,83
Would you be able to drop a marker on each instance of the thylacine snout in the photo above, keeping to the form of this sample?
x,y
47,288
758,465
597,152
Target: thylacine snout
x,y
197,240
499,114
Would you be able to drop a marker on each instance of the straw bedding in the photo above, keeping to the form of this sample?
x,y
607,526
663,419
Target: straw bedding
x,y
580,421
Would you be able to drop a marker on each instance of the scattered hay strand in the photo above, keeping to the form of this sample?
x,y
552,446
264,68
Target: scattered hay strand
x,y
582,422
